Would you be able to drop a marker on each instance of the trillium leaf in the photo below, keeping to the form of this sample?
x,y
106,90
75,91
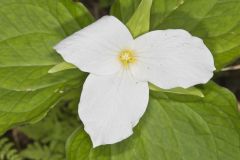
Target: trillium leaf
x,y
174,127
215,21
140,16
61,66
18,107
189,91
28,31
124,9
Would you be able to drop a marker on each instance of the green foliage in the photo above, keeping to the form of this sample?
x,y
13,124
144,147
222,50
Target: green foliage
x,y
28,31
60,67
177,124
194,91
50,134
39,151
174,127
124,9
139,18
215,21
58,125
7,150
105,3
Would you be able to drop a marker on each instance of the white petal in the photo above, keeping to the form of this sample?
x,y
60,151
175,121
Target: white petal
x,y
110,106
95,48
172,58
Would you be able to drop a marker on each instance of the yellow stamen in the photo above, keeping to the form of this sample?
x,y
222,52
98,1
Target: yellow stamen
x,y
127,57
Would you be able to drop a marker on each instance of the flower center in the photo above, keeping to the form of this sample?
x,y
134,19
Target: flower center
x,y
127,57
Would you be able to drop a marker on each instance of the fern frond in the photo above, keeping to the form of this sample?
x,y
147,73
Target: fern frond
x,y
37,151
7,150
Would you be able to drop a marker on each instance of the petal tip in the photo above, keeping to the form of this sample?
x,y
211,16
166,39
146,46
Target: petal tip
x,y
95,144
98,141
58,47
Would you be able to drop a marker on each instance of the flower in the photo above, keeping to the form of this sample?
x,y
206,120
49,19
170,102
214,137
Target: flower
x,y
115,94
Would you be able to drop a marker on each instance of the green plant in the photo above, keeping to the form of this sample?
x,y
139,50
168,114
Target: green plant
x,y
8,151
37,151
39,92
50,134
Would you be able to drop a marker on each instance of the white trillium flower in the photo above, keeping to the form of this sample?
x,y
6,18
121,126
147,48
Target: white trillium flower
x,y
115,94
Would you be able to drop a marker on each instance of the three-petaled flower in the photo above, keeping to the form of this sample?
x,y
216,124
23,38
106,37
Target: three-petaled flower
x,y
115,94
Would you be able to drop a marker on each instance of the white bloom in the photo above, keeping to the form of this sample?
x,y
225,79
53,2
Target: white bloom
x,y
115,94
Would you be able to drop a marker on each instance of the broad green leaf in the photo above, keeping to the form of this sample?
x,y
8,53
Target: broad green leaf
x,y
140,16
61,66
35,77
28,31
185,91
217,22
124,9
18,107
174,127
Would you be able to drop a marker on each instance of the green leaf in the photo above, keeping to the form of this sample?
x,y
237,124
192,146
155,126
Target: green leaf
x,y
124,9
28,31
60,67
139,23
185,91
217,22
50,134
25,107
174,127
